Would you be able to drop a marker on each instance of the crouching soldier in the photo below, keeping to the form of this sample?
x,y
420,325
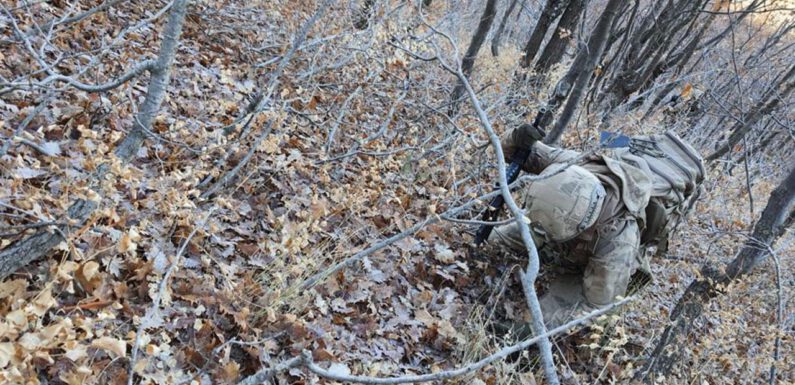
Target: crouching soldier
x,y
595,217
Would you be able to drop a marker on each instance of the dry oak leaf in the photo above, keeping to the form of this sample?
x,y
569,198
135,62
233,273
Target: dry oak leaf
x,y
118,348
74,350
7,353
127,242
88,276
42,303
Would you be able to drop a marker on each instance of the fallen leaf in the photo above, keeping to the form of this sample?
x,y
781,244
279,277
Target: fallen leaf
x,y
118,348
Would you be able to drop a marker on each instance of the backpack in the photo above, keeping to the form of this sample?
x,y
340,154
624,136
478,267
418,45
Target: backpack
x,y
677,174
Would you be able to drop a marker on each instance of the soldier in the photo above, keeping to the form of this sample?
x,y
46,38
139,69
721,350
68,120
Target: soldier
x,y
589,219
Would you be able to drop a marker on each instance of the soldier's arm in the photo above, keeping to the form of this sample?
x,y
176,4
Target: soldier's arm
x,y
542,155
614,260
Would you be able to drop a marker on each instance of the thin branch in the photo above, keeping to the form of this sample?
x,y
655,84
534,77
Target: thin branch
x,y
262,98
340,117
233,172
448,374
533,263
477,222
73,19
25,122
146,65
138,69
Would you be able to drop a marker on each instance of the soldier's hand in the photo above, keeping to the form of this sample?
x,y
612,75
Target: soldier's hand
x,y
532,131
526,135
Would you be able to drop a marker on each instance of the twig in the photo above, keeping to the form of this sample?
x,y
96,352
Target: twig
x,y
233,172
99,8
477,222
146,65
343,112
35,146
263,97
158,297
748,178
266,374
385,124
24,124
72,19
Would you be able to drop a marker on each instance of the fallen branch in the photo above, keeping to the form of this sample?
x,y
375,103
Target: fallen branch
x,y
305,359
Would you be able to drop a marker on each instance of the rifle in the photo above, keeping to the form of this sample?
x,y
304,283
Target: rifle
x,y
529,135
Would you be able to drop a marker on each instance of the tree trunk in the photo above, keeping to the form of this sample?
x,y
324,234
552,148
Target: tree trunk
x,y
767,104
552,10
472,52
647,49
495,41
679,60
771,225
583,67
38,245
564,32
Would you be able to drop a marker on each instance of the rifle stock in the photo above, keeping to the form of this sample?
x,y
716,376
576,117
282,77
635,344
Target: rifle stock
x,y
512,172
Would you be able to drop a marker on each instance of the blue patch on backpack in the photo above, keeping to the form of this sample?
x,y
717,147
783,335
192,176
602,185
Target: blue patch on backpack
x,y
613,140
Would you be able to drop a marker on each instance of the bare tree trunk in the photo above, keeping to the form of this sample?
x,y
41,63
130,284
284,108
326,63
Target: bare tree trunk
x,y
733,24
583,68
767,104
771,41
38,245
771,224
648,48
552,10
472,52
495,41
564,33
679,60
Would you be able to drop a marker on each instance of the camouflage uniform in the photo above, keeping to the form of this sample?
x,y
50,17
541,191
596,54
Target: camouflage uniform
x,y
599,262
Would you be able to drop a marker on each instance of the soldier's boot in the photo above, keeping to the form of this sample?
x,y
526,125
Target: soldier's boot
x,y
564,300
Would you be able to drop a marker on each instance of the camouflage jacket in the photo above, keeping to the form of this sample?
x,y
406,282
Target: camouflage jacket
x,y
626,178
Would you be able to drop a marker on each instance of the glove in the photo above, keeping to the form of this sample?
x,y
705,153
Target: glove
x,y
524,136
527,135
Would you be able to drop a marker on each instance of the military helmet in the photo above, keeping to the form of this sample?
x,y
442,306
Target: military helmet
x,y
564,204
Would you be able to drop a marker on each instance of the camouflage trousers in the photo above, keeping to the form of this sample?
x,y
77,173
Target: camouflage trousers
x,y
596,266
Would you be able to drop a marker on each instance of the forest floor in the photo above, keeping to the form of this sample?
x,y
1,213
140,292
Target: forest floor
x,y
337,173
